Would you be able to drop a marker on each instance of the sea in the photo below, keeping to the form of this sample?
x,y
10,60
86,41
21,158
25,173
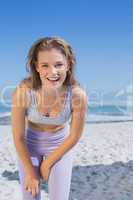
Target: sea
x,y
95,113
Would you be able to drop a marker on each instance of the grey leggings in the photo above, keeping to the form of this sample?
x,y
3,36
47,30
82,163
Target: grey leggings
x,y
42,144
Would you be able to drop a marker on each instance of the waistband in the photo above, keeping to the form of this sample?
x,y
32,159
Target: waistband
x,y
44,134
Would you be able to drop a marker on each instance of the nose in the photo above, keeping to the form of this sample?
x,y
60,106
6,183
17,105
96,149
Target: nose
x,y
52,70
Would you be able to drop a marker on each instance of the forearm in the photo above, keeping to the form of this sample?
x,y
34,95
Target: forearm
x,y
23,154
60,151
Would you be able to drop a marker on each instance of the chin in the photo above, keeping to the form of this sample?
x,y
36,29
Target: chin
x,y
52,85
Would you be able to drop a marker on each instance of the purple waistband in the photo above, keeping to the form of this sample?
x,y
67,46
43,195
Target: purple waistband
x,y
43,135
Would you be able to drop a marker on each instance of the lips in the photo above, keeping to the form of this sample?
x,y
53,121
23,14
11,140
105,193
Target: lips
x,y
53,79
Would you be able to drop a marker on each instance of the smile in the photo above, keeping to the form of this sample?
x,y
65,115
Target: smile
x,y
53,79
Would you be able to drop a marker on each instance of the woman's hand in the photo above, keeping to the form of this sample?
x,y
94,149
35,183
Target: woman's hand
x,y
32,184
45,170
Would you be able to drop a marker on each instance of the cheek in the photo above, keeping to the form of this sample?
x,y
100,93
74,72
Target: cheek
x,y
63,75
42,73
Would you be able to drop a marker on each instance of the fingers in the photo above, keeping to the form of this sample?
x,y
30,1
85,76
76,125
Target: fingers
x,y
33,190
37,188
29,189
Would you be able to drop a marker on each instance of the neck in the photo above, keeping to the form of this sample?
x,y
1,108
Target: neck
x,y
52,91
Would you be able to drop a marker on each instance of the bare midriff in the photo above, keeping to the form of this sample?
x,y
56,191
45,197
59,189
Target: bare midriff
x,y
44,128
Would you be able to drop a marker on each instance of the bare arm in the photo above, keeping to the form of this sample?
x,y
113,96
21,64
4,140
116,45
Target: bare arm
x,y
79,105
19,103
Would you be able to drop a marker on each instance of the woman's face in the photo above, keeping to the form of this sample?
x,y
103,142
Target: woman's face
x,y
52,67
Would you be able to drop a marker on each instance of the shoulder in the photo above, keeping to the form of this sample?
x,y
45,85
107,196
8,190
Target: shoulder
x,y
78,90
78,93
20,89
24,86
79,98
19,94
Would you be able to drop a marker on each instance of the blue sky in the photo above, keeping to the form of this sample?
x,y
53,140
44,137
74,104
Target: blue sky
x,y
100,32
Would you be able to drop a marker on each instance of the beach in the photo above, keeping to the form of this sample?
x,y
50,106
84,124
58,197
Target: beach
x,y
102,166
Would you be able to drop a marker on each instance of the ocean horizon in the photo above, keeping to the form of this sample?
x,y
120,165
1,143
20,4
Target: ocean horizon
x,y
95,113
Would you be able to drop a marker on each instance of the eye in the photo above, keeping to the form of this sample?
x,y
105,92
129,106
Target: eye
x,y
59,65
44,65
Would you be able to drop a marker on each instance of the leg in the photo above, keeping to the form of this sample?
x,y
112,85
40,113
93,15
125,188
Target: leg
x,y
60,177
36,162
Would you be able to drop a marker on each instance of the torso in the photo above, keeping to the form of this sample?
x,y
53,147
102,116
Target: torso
x,y
57,108
44,128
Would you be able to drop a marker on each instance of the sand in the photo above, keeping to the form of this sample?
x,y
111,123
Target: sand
x,y
102,166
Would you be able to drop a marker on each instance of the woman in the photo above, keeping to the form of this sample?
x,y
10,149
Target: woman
x,y
42,106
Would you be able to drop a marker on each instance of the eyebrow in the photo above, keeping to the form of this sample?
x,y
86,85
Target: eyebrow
x,y
55,62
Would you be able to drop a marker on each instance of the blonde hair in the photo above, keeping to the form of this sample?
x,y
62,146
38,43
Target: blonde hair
x,y
47,43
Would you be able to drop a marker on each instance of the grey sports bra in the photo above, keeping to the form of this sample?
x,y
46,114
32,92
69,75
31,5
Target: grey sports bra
x,y
34,116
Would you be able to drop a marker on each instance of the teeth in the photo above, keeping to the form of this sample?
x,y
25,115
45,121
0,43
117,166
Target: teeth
x,y
54,78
